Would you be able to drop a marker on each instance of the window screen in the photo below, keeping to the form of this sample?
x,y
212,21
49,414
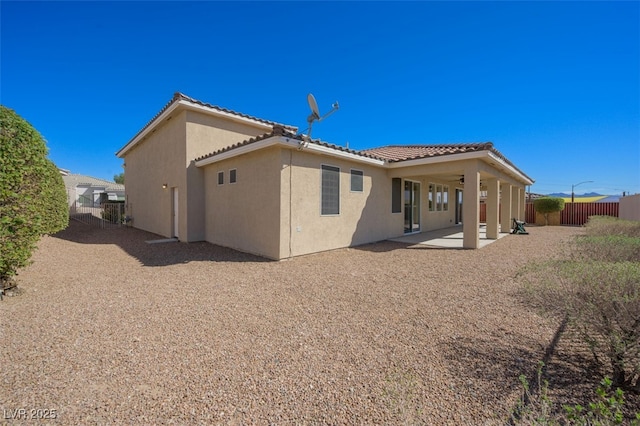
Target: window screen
x,y
356,180
330,190
232,176
220,178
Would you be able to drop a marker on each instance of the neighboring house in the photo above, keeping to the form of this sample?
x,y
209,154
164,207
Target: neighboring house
x,y
87,191
199,172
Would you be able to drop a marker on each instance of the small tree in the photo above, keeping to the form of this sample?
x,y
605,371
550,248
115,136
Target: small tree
x,y
33,199
119,178
548,205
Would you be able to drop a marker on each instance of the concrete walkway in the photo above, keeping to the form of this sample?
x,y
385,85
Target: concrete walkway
x,y
445,238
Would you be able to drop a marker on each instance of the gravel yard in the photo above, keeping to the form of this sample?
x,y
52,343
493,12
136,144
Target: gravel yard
x,y
106,328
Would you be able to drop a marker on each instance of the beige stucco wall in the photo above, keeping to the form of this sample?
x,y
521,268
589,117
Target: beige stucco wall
x,y
206,134
167,155
630,207
364,216
158,159
245,215
274,208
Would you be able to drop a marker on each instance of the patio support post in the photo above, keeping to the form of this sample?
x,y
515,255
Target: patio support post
x,y
471,210
523,203
505,208
493,204
515,202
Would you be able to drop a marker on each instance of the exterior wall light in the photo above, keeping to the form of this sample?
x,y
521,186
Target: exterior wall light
x,y
164,186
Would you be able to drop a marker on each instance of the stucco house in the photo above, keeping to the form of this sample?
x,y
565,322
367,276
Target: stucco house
x,y
199,172
87,191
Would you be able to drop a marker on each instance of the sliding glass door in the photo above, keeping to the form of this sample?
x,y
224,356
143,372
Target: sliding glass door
x,y
411,206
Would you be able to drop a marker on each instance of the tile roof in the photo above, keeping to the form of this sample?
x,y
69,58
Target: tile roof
x,y
281,131
73,180
389,154
177,97
395,153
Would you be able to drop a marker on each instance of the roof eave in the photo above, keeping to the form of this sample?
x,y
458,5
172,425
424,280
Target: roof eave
x,y
291,143
482,155
510,168
187,105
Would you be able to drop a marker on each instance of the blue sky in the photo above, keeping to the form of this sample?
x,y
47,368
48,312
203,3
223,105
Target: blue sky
x,y
554,85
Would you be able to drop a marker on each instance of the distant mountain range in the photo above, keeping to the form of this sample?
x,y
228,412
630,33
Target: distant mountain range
x,y
564,195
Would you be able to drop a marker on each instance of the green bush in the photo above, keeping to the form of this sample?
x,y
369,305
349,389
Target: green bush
x,y
33,199
547,205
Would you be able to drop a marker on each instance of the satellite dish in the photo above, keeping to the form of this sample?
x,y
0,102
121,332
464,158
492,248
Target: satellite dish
x,y
315,113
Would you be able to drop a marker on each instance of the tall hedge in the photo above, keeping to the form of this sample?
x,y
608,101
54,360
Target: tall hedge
x,y
548,205
33,199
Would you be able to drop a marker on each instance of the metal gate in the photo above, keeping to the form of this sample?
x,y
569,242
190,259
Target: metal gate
x,y
103,215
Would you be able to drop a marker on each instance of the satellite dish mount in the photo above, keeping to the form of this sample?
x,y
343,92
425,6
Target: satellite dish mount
x,y
315,113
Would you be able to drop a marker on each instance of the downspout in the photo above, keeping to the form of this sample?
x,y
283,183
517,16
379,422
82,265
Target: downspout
x,y
290,202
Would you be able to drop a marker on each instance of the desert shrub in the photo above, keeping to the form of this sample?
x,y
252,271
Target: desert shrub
x,y
33,199
536,407
113,212
608,225
547,205
602,301
610,248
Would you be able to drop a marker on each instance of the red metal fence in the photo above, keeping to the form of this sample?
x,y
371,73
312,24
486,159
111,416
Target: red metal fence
x,y
573,213
578,213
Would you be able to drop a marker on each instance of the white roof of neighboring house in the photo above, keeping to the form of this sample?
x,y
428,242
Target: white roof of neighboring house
x,y
73,180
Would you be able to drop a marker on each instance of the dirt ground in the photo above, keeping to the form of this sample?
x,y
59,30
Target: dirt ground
x,y
106,328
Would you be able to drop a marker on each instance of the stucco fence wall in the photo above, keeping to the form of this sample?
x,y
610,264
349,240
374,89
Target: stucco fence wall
x,y
630,207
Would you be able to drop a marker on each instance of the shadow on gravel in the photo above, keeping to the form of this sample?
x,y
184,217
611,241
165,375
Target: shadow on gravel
x,y
133,241
490,371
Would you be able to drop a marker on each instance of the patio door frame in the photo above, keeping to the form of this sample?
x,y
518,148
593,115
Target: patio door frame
x,y
458,206
412,212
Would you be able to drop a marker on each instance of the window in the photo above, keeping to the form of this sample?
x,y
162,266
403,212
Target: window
x,y
438,198
356,180
445,198
432,190
330,190
220,178
396,195
232,176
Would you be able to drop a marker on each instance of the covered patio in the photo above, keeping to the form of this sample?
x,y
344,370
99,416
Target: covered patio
x,y
451,238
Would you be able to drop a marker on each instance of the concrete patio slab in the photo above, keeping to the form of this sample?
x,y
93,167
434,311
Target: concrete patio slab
x,y
445,238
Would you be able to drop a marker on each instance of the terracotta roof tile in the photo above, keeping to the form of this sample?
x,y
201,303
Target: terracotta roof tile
x,y
177,97
279,130
395,153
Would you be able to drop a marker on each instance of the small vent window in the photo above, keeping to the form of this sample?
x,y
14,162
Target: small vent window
x,y
232,176
356,180
220,178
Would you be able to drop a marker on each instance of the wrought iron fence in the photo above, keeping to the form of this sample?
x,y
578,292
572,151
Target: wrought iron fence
x,y
103,215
